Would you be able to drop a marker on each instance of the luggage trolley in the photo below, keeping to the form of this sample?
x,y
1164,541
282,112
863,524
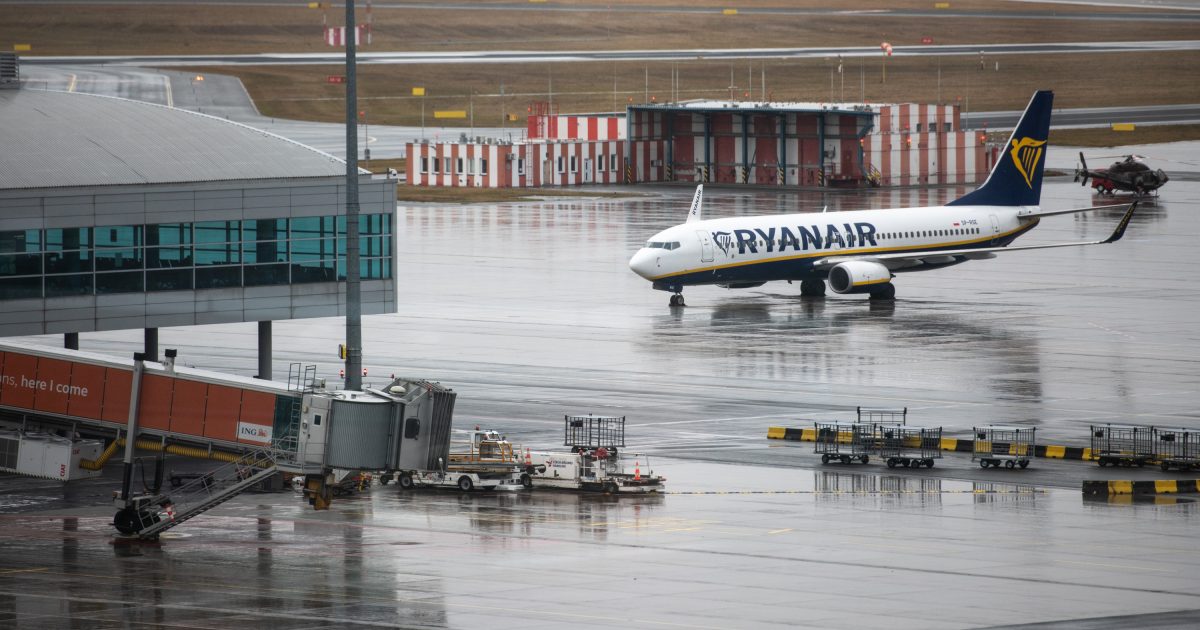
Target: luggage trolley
x,y
878,419
879,416
843,441
1011,445
913,447
1122,445
1178,448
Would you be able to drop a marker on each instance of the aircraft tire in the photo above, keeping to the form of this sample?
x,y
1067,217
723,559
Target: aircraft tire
x,y
884,292
812,288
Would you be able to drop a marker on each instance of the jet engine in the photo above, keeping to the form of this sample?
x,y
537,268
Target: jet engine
x,y
858,276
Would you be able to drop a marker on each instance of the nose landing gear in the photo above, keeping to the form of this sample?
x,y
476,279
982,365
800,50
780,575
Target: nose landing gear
x,y
677,300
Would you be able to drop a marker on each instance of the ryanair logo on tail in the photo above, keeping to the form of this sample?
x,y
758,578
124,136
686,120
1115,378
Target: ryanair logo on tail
x,y
1025,155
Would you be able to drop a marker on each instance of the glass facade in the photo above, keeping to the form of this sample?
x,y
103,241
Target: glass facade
x,y
62,262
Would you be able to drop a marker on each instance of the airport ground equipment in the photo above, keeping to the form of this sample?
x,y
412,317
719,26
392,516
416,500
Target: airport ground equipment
x,y
910,446
486,460
1123,445
46,455
298,427
882,416
844,442
996,444
1177,448
597,461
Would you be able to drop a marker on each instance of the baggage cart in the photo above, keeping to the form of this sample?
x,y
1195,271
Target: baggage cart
x,y
878,416
998,444
909,446
1122,445
1178,448
843,442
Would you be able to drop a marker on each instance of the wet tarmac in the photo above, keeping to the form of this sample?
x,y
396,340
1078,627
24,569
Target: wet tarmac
x,y
529,312
727,547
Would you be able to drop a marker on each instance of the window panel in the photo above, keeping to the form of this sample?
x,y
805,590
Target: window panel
x,y
118,259
68,262
125,282
157,257
217,232
169,234
374,246
20,264
218,254
119,236
19,288
258,275
58,239
313,271
218,277
316,248
77,284
20,241
169,280
265,252
312,227
264,230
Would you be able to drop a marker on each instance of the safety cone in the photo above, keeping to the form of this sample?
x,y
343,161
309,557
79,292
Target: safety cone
x,y
637,470
528,458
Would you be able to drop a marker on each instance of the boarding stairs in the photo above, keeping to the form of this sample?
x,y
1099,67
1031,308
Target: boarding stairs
x,y
209,490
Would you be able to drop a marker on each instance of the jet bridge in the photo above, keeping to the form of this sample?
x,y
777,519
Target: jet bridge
x,y
48,396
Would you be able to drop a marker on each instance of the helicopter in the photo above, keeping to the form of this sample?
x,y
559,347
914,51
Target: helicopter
x,y
1131,174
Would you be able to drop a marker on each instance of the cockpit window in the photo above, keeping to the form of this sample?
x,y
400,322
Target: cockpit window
x,y
663,245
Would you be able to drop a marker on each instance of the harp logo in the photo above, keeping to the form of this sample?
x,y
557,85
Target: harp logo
x,y
1026,152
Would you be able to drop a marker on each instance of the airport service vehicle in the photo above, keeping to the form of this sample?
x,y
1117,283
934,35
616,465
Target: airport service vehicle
x,y
1131,174
861,252
998,444
597,460
485,460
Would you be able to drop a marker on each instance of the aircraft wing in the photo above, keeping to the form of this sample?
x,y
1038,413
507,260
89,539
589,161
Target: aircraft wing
x,y
946,255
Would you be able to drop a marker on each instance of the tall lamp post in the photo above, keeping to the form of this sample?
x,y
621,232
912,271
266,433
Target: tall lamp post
x,y
353,290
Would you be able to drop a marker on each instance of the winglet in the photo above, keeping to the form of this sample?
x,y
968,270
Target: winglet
x,y
1120,231
694,213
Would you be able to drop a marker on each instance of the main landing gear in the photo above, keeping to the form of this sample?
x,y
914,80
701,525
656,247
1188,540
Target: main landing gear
x,y
884,292
677,299
812,288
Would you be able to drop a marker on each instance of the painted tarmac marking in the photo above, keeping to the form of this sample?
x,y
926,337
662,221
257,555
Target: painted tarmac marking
x,y
11,571
852,492
780,531
1115,566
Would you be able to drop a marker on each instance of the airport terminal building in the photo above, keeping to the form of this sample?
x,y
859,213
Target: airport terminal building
x,y
117,214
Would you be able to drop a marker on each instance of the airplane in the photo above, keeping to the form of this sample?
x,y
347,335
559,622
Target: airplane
x,y
1131,175
861,251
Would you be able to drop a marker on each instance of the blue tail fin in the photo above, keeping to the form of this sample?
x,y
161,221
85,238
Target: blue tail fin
x,y
1016,180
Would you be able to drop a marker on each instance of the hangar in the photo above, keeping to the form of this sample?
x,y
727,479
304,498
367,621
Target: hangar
x,y
119,214
727,142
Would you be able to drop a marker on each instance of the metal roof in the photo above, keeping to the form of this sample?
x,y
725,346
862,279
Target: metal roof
x,y
55,139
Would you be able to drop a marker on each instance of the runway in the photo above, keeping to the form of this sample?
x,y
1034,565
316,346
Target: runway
x,y
517,56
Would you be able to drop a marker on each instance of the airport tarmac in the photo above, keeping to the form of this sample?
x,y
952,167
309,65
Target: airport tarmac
x,y
529,311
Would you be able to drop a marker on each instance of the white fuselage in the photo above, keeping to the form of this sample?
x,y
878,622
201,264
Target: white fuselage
x,y
759,249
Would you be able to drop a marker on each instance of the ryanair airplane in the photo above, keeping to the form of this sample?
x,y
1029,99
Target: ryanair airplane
x,y
860,252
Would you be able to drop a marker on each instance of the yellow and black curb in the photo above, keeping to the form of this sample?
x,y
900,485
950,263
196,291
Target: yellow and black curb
x,y
947,444
1102,488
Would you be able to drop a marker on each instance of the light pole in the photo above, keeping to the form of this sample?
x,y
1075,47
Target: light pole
x,y
353,294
